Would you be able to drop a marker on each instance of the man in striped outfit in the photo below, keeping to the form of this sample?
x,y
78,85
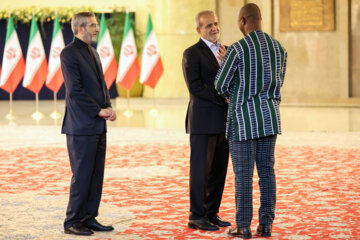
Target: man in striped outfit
x,y
251,76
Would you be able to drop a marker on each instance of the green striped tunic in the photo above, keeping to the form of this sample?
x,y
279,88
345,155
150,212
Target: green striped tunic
x,y
251,76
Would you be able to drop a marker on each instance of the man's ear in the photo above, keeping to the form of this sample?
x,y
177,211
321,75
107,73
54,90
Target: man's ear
x,y
244,20
198,30
80,29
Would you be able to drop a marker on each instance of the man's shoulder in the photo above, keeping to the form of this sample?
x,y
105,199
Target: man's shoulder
x,y
69,49
274,40
269,36
236,46
241,42
240,45
194,47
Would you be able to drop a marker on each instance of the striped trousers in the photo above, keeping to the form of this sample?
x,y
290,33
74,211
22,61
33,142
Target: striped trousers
x,y
244,155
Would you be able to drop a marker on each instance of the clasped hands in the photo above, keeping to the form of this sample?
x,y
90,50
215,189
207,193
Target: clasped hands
x,y
107,114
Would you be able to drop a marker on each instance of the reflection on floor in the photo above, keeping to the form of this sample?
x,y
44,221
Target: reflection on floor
x,y
170,113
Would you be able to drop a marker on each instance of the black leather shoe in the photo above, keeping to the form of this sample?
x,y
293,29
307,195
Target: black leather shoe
x,y
243,232
96,226
264,230
78,229
216,220
202,224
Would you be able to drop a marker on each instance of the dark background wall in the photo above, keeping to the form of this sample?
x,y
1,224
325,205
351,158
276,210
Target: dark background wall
x,y
23,31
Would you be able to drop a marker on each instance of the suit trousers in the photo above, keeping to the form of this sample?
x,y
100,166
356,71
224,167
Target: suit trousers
x,y
244,155
87,160
208,166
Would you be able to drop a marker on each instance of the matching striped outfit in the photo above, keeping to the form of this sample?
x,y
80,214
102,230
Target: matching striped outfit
x,y
251,76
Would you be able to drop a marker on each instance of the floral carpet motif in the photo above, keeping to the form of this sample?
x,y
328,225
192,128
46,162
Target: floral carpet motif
x,y
145,193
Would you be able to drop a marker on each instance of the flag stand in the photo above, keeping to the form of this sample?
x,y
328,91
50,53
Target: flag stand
x,y
128,113
10,116
153,111
37,115
55,115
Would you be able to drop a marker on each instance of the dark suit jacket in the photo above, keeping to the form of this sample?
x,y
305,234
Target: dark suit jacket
x,y
86,91
207,111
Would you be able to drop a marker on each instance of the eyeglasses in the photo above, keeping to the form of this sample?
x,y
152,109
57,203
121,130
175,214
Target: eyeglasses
x,y
93,25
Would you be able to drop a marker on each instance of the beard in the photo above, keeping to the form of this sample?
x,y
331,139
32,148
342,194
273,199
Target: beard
x,y
214,37
92,38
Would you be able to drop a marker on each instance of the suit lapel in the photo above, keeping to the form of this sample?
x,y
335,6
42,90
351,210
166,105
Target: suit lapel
x,y
100,71
84,52
96,69
208,53
97,61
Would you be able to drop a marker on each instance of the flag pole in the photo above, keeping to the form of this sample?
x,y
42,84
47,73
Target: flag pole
x,y
10,116
37,101
153,111
55,114
153,97
128,98
37,115
128,113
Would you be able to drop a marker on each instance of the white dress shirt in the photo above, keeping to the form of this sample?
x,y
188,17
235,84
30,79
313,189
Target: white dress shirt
x,y
214,48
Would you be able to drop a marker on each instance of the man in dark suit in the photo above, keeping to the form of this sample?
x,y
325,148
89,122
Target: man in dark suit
x,y
206,122
87,109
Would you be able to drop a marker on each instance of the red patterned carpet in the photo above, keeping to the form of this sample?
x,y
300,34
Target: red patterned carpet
x,y
146,193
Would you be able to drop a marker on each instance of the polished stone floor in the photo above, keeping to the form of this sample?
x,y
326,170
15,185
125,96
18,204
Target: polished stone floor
x,y
170,114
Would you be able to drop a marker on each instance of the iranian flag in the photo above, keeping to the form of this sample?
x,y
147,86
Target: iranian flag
x,y
13,65
55,77
36,66
129,67
106,52
151,67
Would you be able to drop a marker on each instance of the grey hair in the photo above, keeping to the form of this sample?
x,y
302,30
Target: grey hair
x,y
80,19
200,14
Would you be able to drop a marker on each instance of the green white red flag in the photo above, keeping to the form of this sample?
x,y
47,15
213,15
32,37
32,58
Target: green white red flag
x,y
106,52
36,65
129,67
151,67
13,65
55,77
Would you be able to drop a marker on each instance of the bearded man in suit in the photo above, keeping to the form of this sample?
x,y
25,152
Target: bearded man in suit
x,y
87,109
206,122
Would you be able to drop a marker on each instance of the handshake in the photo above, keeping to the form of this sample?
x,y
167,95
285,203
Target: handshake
x,y
107,114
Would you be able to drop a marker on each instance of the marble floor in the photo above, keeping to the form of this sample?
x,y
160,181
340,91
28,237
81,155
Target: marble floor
x,y
170,114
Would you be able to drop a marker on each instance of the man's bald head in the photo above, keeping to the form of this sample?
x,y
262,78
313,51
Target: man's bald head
x,y
250,12
249,18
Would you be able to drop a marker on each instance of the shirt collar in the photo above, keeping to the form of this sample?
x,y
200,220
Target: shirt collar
x,y
81,42
210,44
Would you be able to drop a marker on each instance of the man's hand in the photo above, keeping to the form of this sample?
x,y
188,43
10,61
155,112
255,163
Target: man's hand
x,y
221,52
112,116
104,113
